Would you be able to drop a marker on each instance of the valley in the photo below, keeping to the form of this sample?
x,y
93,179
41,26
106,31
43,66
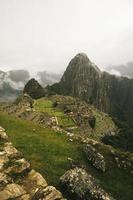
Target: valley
x,y
50,146
64,132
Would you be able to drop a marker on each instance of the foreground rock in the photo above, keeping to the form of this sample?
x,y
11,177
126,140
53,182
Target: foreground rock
x,y
95,158
18,180
81,185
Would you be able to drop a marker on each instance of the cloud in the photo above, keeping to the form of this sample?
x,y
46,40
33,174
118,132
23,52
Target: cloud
x,y
47,34
115,72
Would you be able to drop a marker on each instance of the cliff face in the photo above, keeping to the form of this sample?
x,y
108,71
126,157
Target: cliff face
x,y
109,93
81,78
116,97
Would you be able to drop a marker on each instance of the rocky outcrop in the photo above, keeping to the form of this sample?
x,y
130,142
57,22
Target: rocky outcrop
x,y
80,79
81,185
34,89
109,93
123,161
95,158
17,179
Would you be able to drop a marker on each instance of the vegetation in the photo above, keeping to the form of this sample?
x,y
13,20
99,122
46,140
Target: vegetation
x,y
46,105
92,122
48,151
98,121
34,89
123,140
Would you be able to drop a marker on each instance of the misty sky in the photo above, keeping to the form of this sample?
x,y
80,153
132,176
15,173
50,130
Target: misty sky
x,y
46,34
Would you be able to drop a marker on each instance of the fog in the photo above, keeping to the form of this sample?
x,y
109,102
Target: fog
x,y
45,34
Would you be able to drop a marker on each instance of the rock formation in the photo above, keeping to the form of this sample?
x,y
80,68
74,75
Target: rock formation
x,y
109,93
82,186
34,89
95,158
17,179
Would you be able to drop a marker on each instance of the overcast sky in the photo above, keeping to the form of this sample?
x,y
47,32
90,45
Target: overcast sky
x,y
46,34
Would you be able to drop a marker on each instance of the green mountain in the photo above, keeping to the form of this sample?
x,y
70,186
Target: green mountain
x,y
12,82
34,89
109,93
68,138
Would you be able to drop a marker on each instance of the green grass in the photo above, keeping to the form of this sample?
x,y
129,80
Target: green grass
x,y
104,123
44,105
66,121
48,151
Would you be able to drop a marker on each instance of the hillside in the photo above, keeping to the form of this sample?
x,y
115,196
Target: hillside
x,y
12,82
17,179
58,131
63,112
64,133
110,94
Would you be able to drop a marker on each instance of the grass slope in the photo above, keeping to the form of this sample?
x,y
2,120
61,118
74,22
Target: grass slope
x,y
48,151
44,105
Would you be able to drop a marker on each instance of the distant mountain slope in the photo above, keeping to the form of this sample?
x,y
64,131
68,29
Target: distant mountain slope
x,y
123,70
34,89
109,93
12,82
47,78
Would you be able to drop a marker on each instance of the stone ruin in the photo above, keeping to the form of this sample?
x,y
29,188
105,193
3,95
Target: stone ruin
x,y
17,180
95,158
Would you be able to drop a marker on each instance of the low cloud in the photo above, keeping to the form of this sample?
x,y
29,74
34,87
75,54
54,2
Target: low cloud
x,y
115,72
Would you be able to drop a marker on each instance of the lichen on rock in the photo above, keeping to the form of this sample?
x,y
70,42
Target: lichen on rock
x,y
94,157
82,186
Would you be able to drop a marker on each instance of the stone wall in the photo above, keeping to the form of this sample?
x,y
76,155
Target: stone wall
x,y
109,93
95,158
17,180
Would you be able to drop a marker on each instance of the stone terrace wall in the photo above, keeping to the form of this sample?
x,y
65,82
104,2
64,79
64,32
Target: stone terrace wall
x,y
17,180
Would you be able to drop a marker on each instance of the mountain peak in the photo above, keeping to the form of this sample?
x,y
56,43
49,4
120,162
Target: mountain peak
x,y
82,61
82,55
34,89
80,73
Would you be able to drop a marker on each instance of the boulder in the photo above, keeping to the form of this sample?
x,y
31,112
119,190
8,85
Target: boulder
x,y
4,179
3,135
95,158
36,178
18,167
82,186
3,159
11,151
50,193
12,191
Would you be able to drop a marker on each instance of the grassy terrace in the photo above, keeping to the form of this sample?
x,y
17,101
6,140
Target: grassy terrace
x,y
48,151
43,105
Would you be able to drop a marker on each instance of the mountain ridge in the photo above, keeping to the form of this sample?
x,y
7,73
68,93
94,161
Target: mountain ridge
x,y
12,82
107,92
